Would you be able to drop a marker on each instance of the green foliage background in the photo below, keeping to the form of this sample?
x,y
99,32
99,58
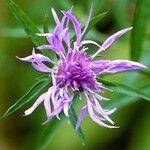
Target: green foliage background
x,y
18,132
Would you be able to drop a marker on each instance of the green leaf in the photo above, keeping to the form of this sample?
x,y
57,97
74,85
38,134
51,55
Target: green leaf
x,y
46,18
28,25
25,21
73,120
31,94
139,28
124,89
121,10
120,100
94,21
101,5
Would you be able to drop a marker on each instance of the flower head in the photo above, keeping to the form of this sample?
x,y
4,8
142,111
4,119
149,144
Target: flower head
x,y
75,71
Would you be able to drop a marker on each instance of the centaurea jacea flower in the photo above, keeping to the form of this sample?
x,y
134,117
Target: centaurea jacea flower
x,y
75,71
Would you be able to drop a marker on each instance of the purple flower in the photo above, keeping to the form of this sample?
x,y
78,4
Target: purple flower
x,y
75,71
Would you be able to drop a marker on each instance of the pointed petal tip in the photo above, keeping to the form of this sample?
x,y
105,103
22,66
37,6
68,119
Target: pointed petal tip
x,y
40,47
115,127
52,9
22,59
44,34
18,57
77,127
57,116
139,66
27,112
144,67
130,28
45,122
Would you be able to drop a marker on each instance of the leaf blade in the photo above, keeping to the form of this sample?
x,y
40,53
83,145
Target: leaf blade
x,y
25,21
31,94
29,27
94,21
123,100
73,120
124,89
139,28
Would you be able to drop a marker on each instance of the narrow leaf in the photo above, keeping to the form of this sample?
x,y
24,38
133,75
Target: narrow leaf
x,y
124,89
46,17
94,21
25,21
31,94
139,28
28,25
121,10
73,120
120,100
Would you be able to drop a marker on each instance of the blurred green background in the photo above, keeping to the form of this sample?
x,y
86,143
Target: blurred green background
x,y
22,133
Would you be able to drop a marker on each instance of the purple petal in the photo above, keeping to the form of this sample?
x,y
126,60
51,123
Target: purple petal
x,y
35,105
65,36
35,58
93,116
114,37
66,109
90,42
109,41
81,116
57,110
41,67
123,65
54,97
56,42
96,119
87,22
55,16
50,47
28,58
47,103
99,110
109,112
107,66
97,107
77,26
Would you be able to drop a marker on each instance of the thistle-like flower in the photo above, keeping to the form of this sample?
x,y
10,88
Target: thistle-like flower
x,y
75,71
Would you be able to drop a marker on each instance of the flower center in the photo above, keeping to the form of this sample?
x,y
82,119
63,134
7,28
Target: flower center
x,y
75,71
